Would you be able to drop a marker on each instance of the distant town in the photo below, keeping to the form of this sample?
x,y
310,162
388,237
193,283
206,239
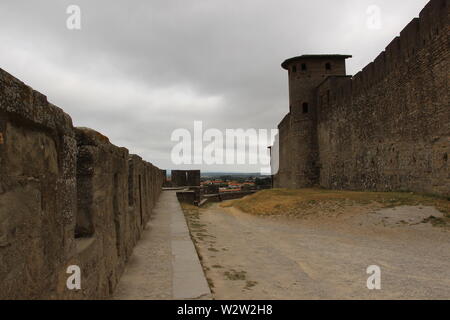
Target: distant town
x,y
232,182
237,183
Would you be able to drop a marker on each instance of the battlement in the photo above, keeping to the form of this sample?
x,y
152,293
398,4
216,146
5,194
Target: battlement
x,y
76,198
402,51
382,129
285,65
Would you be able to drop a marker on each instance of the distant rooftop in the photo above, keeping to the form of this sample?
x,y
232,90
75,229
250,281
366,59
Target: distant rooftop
x,y
318,56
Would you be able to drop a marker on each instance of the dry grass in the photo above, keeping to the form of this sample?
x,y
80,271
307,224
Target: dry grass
x,y
310,201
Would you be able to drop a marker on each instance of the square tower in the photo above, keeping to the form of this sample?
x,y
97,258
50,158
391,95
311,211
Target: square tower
x,y
299,167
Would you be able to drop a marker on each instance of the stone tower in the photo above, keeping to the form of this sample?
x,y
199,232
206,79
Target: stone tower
x,y
299,167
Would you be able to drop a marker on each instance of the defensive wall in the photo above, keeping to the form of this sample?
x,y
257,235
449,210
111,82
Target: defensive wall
x,y
67,197
386,128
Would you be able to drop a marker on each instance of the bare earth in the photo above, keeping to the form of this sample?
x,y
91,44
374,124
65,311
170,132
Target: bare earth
x,y
323,257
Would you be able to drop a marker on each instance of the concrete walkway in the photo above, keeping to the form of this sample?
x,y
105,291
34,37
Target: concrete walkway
x,y
164,264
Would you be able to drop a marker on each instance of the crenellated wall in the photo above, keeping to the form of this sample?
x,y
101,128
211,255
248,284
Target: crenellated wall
x,y
388,127
67,197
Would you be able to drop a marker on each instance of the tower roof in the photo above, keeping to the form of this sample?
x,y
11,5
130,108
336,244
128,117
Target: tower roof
x,y
313,56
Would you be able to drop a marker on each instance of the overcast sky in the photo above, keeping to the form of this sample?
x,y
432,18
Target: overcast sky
x,y
139,69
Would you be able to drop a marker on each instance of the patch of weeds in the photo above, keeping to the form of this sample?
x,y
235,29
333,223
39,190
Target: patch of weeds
x,y
210,282
435,222
235,275
217,266
197,225
199,234
250,284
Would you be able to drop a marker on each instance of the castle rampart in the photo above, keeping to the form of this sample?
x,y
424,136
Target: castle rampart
x,y
388,127
67,197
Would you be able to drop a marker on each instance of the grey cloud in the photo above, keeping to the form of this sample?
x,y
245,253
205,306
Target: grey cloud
x,y
140,69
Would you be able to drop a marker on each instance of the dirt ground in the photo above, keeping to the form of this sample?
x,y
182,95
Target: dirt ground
x,y
323,256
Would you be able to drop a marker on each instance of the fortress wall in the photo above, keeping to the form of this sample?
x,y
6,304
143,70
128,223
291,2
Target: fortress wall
x,y
135,167
185,178
303,151
178,178
141,201
37,190
67,197
388,128
283,178
193,178
102,175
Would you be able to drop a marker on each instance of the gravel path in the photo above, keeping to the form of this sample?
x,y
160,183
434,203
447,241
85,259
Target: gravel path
x,y
248,257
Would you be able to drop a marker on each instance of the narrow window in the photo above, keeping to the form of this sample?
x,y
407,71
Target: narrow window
x,y
328,66
294,68
304,68
305,107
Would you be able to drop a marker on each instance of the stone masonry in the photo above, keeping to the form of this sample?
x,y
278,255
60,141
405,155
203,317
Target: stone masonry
x,y
386,129
67,197
185,178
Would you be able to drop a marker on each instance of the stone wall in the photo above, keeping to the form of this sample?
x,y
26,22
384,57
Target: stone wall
x,y
298,129
388,127
185,178
284,178
67,197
